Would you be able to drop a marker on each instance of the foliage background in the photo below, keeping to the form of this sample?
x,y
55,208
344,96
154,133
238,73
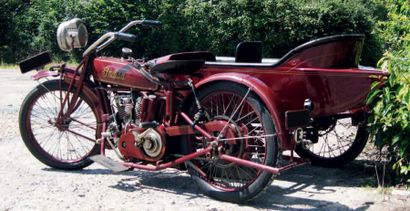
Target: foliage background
x,y
390,120
29,27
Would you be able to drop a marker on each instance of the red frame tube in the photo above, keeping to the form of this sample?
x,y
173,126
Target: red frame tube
x,y
293,163
202,131
74,98
169,105
169,164
249,164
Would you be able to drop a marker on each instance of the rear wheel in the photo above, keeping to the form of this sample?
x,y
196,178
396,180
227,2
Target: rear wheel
x,y
244,114
66,144
338,144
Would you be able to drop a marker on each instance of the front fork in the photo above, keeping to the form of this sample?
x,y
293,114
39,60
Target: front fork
x,y
67,104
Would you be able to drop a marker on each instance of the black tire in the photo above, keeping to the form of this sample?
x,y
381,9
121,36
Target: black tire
x,y
214,185
352,145
37,113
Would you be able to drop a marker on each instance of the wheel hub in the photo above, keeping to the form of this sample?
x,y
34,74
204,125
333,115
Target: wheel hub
x,y
229,145
61,125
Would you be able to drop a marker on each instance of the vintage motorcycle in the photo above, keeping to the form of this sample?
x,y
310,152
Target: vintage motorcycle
x,y
232,123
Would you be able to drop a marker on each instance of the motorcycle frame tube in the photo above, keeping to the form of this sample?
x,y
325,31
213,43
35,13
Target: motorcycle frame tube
x,y
169,106
169,164
83,65
88,91
273,170
249,164
196,127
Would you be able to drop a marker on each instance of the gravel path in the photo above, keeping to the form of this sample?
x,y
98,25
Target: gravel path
x,y
26,184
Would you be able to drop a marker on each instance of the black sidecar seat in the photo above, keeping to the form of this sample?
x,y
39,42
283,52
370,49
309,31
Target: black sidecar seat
x,y
249,52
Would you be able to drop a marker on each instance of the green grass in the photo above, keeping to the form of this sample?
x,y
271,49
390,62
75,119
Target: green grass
x,y
15,66
8,66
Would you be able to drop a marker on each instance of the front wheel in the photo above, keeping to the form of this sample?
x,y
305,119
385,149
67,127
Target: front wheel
x,y
65,144
242,113
338,144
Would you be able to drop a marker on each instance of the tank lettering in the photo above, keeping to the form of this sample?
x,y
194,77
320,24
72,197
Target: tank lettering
x,y
109,72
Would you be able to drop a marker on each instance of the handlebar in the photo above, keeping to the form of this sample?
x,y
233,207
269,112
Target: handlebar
x,y
111,36
151,23
125,36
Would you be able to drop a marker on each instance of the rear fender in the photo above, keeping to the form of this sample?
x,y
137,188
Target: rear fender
x,y
264,93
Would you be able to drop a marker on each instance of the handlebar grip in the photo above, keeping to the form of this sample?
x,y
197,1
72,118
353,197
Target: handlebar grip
x,y
151,23
125,36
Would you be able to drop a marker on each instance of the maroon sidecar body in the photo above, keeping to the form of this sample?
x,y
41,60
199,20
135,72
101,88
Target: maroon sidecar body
x,y
325,71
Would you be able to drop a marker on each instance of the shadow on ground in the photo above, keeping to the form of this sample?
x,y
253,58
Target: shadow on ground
x,y
306,179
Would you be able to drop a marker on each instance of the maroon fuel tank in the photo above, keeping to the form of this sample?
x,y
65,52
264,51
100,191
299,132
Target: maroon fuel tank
x,y
121,72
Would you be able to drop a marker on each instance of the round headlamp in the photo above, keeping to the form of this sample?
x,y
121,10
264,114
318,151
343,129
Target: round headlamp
x,y
72,34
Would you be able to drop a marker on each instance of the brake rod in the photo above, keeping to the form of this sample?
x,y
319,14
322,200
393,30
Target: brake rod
x,y
249,163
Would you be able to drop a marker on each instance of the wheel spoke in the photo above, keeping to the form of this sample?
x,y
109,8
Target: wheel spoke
x,y
334,141
238,112
70,141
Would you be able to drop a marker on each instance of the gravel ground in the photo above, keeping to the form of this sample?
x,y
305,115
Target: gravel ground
x,y
26,184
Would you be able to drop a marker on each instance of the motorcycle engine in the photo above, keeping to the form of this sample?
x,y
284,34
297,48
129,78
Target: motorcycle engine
x,y
128,108
135,142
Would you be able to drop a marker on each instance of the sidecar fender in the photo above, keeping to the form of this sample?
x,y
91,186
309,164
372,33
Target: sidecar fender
x,y
263,91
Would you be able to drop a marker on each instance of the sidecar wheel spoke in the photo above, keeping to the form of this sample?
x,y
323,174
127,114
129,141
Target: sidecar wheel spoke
x,y
338,144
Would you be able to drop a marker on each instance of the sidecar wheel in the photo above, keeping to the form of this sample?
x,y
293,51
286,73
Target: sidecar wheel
x,y
53,144
336,147
224,180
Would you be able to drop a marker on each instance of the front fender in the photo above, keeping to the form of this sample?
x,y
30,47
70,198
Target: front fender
x,y
43,74
264,92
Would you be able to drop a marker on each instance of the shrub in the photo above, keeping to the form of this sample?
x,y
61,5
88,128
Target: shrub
x,y
280,24
216,25
34,27
390,122
8,9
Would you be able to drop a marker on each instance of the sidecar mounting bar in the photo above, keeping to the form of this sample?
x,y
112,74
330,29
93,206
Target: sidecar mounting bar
x,y
249,163
169,164
294,163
